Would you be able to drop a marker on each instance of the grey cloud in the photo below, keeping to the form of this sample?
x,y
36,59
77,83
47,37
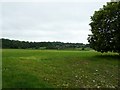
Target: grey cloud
x,y
68,22
54,1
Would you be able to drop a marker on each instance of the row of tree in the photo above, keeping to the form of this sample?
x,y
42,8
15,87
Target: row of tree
x,y
15,44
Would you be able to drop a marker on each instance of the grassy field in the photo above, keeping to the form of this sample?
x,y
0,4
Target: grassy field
x,y
56,69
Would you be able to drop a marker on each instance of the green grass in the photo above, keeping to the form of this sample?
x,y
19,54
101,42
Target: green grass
x,y
56,69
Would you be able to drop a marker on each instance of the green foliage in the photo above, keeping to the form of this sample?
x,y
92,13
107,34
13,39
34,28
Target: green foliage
x,y
15,44
22,68
105,27
83,48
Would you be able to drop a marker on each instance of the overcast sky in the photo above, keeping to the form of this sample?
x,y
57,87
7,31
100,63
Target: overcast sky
x,y
47,20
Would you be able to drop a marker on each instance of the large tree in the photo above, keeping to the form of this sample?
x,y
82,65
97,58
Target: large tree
x,y
105,28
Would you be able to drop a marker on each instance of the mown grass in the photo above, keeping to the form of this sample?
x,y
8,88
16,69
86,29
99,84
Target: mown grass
x,y
59,69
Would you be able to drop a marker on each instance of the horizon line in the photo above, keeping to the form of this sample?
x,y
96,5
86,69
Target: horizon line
x,y
42,41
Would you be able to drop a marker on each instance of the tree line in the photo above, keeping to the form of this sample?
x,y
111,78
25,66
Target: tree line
x,y
16,44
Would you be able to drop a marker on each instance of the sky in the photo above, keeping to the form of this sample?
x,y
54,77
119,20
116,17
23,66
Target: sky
x,y
47,20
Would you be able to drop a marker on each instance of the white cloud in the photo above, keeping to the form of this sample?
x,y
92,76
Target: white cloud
x,y
51,1
68,22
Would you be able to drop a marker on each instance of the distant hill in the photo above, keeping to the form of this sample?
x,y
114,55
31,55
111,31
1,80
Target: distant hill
x,y
16,44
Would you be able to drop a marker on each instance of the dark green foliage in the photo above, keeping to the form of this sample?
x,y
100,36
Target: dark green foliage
x,y
15,44
105,27
83,48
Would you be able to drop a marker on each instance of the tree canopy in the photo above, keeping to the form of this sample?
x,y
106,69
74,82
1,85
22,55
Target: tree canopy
x,y
15,44
105,28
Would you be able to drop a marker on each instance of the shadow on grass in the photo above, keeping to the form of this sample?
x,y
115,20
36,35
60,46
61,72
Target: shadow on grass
x,y
108,56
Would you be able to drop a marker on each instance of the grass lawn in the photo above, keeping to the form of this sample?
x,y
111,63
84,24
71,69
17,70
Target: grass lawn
x,y
56,69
